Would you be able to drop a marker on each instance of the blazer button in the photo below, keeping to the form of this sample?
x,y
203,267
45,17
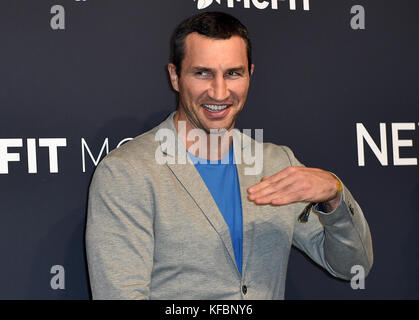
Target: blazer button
x,y
244,289
351,209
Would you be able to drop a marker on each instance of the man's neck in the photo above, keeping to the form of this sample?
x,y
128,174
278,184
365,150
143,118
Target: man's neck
x,y
210,146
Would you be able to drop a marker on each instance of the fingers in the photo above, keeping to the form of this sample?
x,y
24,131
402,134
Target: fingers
x,y
267,188
267,181
284,185
294,184
289,193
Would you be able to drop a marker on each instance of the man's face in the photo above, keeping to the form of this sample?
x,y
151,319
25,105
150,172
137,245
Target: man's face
x,y
213,83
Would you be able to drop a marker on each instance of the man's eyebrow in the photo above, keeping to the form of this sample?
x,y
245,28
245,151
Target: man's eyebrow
x,y
237,69
200,69
206,69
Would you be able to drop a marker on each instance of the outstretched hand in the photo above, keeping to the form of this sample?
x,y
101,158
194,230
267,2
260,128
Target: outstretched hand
x,y
298,184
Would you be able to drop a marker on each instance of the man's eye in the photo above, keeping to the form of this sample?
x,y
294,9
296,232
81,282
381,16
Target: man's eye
x,y
202,74
233,74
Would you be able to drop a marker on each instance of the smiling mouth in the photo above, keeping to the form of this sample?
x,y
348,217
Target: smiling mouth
x,y
215,108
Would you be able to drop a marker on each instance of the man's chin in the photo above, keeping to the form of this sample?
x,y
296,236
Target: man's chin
x,y
218,130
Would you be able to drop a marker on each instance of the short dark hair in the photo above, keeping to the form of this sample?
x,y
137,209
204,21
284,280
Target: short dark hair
x,y
216,25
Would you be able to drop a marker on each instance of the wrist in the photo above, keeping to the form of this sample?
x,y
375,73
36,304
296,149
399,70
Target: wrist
x,y
332,203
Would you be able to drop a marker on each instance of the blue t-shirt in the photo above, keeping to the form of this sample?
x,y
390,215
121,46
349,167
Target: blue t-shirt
x,y
222,181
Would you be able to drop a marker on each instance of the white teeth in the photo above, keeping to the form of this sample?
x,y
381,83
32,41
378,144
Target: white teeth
x,y
214,108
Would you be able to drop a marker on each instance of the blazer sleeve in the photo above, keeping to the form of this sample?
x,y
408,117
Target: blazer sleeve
x,y
119,232
337,240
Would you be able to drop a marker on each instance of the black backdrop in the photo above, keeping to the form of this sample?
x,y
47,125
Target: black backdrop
x,y
103,79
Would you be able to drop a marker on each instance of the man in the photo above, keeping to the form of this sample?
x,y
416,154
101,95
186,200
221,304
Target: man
x,y
177,229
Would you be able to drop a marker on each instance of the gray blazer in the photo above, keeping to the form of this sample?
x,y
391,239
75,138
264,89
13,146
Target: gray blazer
x,y
155,232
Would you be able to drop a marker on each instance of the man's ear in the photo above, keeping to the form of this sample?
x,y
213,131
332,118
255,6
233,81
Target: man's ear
x,y
173,76
252,68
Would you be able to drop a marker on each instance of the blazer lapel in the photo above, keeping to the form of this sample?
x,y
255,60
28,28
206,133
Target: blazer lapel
x,y
191,180
249,209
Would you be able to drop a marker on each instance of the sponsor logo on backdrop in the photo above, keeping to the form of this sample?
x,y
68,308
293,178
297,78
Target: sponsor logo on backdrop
x,y
19,153
16,153
380,149
259,4
27,152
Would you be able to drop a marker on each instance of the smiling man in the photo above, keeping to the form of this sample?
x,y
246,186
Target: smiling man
x,y
213,81
207,230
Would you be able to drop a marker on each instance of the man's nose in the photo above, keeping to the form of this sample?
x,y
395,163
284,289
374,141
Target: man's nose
x,y
218,90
